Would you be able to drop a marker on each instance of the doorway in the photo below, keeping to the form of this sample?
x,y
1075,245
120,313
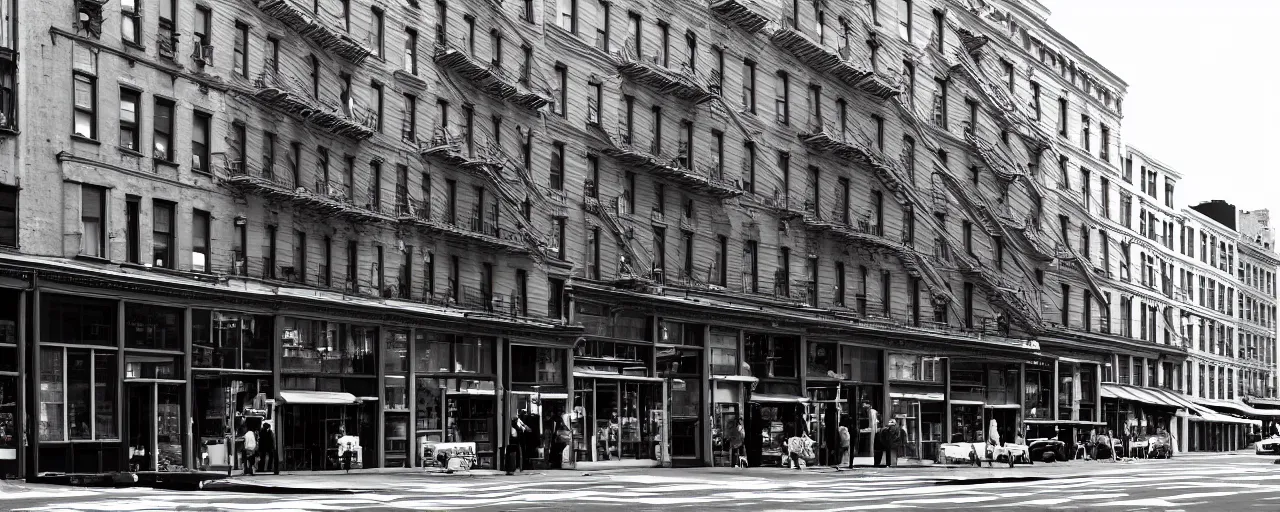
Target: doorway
x,y
154,426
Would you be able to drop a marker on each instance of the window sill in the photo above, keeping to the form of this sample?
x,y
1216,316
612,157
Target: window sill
x,y
130,152
95,259
134,46
165,163
204,174
86,140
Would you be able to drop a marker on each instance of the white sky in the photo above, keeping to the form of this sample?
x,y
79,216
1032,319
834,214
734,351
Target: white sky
x,y
1202,94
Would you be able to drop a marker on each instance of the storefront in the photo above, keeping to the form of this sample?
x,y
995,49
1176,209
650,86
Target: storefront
x,y
680,352
917,388
843,386
539,399
454,395
730,383
776,407
328,392
12,310
231,363
982,392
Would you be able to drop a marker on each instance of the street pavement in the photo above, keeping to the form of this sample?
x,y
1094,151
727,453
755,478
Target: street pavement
x,y
1210,482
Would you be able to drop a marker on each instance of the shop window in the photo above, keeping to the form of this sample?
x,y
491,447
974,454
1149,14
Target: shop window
x,y
861,364
395,366
771,357
724,352
152,327
77,394
600,356
915,368
823,359
77,320
451,353
537,365
317,346
1038,393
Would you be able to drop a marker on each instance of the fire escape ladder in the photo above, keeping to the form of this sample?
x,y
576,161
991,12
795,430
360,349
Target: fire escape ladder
x,y
633,263
742,13
1069,256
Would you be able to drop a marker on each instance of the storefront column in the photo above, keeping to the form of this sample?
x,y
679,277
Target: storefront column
x,y
22,409
380,384
802,368
121,369
708,401
1183,434
946,401
504,430
188,441
1022,402
277,362
1097,392
885,401
1054,396
411,433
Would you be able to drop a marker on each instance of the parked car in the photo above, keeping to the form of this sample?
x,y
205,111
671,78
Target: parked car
x,y
1039,447
1268,446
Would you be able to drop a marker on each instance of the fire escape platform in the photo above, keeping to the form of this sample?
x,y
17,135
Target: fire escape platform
x,y
972,43
858,151
828,62
997,162
314,113
680,84
1004,297
306,25
701,182
510,243
447,150
741,13
491,79
325,205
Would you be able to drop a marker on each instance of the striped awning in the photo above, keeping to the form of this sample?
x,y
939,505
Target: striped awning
x,y
1238,407
1149,396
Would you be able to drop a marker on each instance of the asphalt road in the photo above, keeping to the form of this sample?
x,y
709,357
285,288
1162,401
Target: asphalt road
x,y
1190,482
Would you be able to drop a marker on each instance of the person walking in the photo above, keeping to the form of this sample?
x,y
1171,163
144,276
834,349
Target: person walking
x,y
267,449
843,447
897,440
250,450
737,436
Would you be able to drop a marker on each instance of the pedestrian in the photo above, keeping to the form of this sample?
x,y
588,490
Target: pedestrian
x,y
250,450
267,449
515,444
993,442
843,447
897,440
737,436
800,450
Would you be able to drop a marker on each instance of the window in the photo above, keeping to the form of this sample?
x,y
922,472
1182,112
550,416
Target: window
x,y
968,305
940,104
165,40
750,269
200,124
1104,143
636,32
749,85
966,228
201,25
273,49
721,272
1084,132
939,30
326,268
200,241
879,122
557,166
560,106
839,291
130,22
85,123
782,101
1105,185
904,19
749,167
162,234
409,132
886,288
602,24
1035,99
1062,116
379,32
129,99
299,257
656,145
411,50
594,100
909,76
353,265
93,221
240,60
568,15
1066,305
470,38
560,238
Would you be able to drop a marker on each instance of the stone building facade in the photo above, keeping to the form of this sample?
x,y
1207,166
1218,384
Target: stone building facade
x,y
640,222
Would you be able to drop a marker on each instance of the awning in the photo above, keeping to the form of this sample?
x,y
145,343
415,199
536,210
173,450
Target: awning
x,y
1064,422
1150,396
1002,406
967,402
735,378
1238,407
548,396
317,398
1217,417
777,399
932,397
1273,402
579,374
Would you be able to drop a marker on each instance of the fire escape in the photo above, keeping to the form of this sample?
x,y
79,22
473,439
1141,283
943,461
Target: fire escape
x,y
685,84
632,264
284,94
743,14
308,25
847,64
492,78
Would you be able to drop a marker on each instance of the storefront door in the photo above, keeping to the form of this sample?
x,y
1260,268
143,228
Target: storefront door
x,y
153,426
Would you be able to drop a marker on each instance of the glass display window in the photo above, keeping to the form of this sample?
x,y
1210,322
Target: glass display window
x,y
318,346
229,340
395,368
537,365
150,326
823,360
77,394
78,320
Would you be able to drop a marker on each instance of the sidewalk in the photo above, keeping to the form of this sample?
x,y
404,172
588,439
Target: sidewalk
x,y
372,480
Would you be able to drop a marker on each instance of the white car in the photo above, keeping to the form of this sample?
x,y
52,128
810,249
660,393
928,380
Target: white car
x,y
1268,446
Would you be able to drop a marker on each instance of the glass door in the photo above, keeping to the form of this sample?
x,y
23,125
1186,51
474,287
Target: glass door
x,y
607,427
140,422
169,426
584,434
